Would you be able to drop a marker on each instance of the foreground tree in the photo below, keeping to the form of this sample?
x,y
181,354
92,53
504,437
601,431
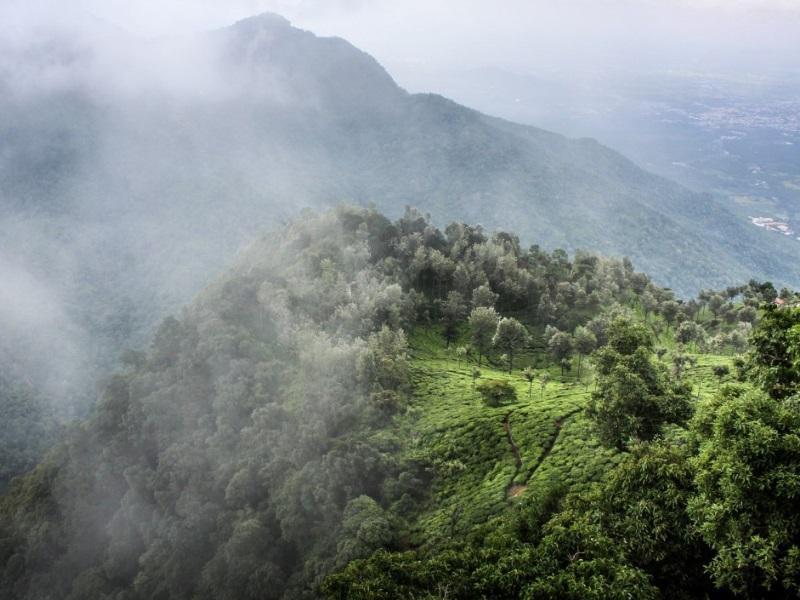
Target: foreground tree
x,y
484,296
688,332
643,507
748,485
669,311
775,355
634,396
461,354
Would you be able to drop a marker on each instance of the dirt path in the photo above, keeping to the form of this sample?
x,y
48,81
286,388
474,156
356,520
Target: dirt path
x,y
511,489
510,437
516,489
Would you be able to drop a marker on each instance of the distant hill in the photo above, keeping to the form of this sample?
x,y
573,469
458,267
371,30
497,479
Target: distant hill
x,y
132,170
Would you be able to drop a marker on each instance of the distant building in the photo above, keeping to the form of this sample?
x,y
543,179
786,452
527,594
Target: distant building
x,y
783,303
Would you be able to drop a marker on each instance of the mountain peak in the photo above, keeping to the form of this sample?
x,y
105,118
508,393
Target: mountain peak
x,y
311,70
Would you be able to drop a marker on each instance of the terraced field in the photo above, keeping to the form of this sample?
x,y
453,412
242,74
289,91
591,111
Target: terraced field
x,y
486,458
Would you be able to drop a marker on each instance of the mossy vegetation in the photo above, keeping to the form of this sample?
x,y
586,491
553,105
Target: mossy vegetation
x,y
475,475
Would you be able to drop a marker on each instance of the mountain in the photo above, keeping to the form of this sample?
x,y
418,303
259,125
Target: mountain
x,y
132,170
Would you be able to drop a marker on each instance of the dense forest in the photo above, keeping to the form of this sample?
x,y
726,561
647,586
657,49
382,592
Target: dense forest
x,y
363,408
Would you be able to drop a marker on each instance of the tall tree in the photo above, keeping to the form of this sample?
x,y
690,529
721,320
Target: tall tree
x,y
483,324
529,375
649,303
748,482
669,310
643,505
543,381
585,342
454,309
484,296
689,331
634,396
461,353
560,346
510,336
775,355
721,372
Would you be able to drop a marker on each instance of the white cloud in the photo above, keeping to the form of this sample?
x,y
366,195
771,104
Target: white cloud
x,y
155,17
518,34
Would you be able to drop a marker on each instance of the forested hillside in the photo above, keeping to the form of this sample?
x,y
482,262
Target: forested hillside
x,y
366,408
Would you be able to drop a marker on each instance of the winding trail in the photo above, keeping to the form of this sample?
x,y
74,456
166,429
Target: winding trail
x,y
513,490
510,437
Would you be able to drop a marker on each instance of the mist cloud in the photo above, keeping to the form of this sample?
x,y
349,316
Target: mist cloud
x,y
574,35
514,31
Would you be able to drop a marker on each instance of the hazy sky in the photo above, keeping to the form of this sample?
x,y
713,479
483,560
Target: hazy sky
x,y
162,16
519,34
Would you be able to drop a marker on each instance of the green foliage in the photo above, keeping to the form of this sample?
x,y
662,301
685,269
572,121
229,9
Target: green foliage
x,y
748,481
474,466
496,392
365,528
775,356
688,331
721,372
560,346
530,376
643,507
625,338
238,460
568,557
28,427
454,310
577,559
634,397
584,340
383,363
476,373
483,325
484,296
510,336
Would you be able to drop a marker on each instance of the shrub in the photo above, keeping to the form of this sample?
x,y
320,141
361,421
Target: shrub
x,y
496,391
